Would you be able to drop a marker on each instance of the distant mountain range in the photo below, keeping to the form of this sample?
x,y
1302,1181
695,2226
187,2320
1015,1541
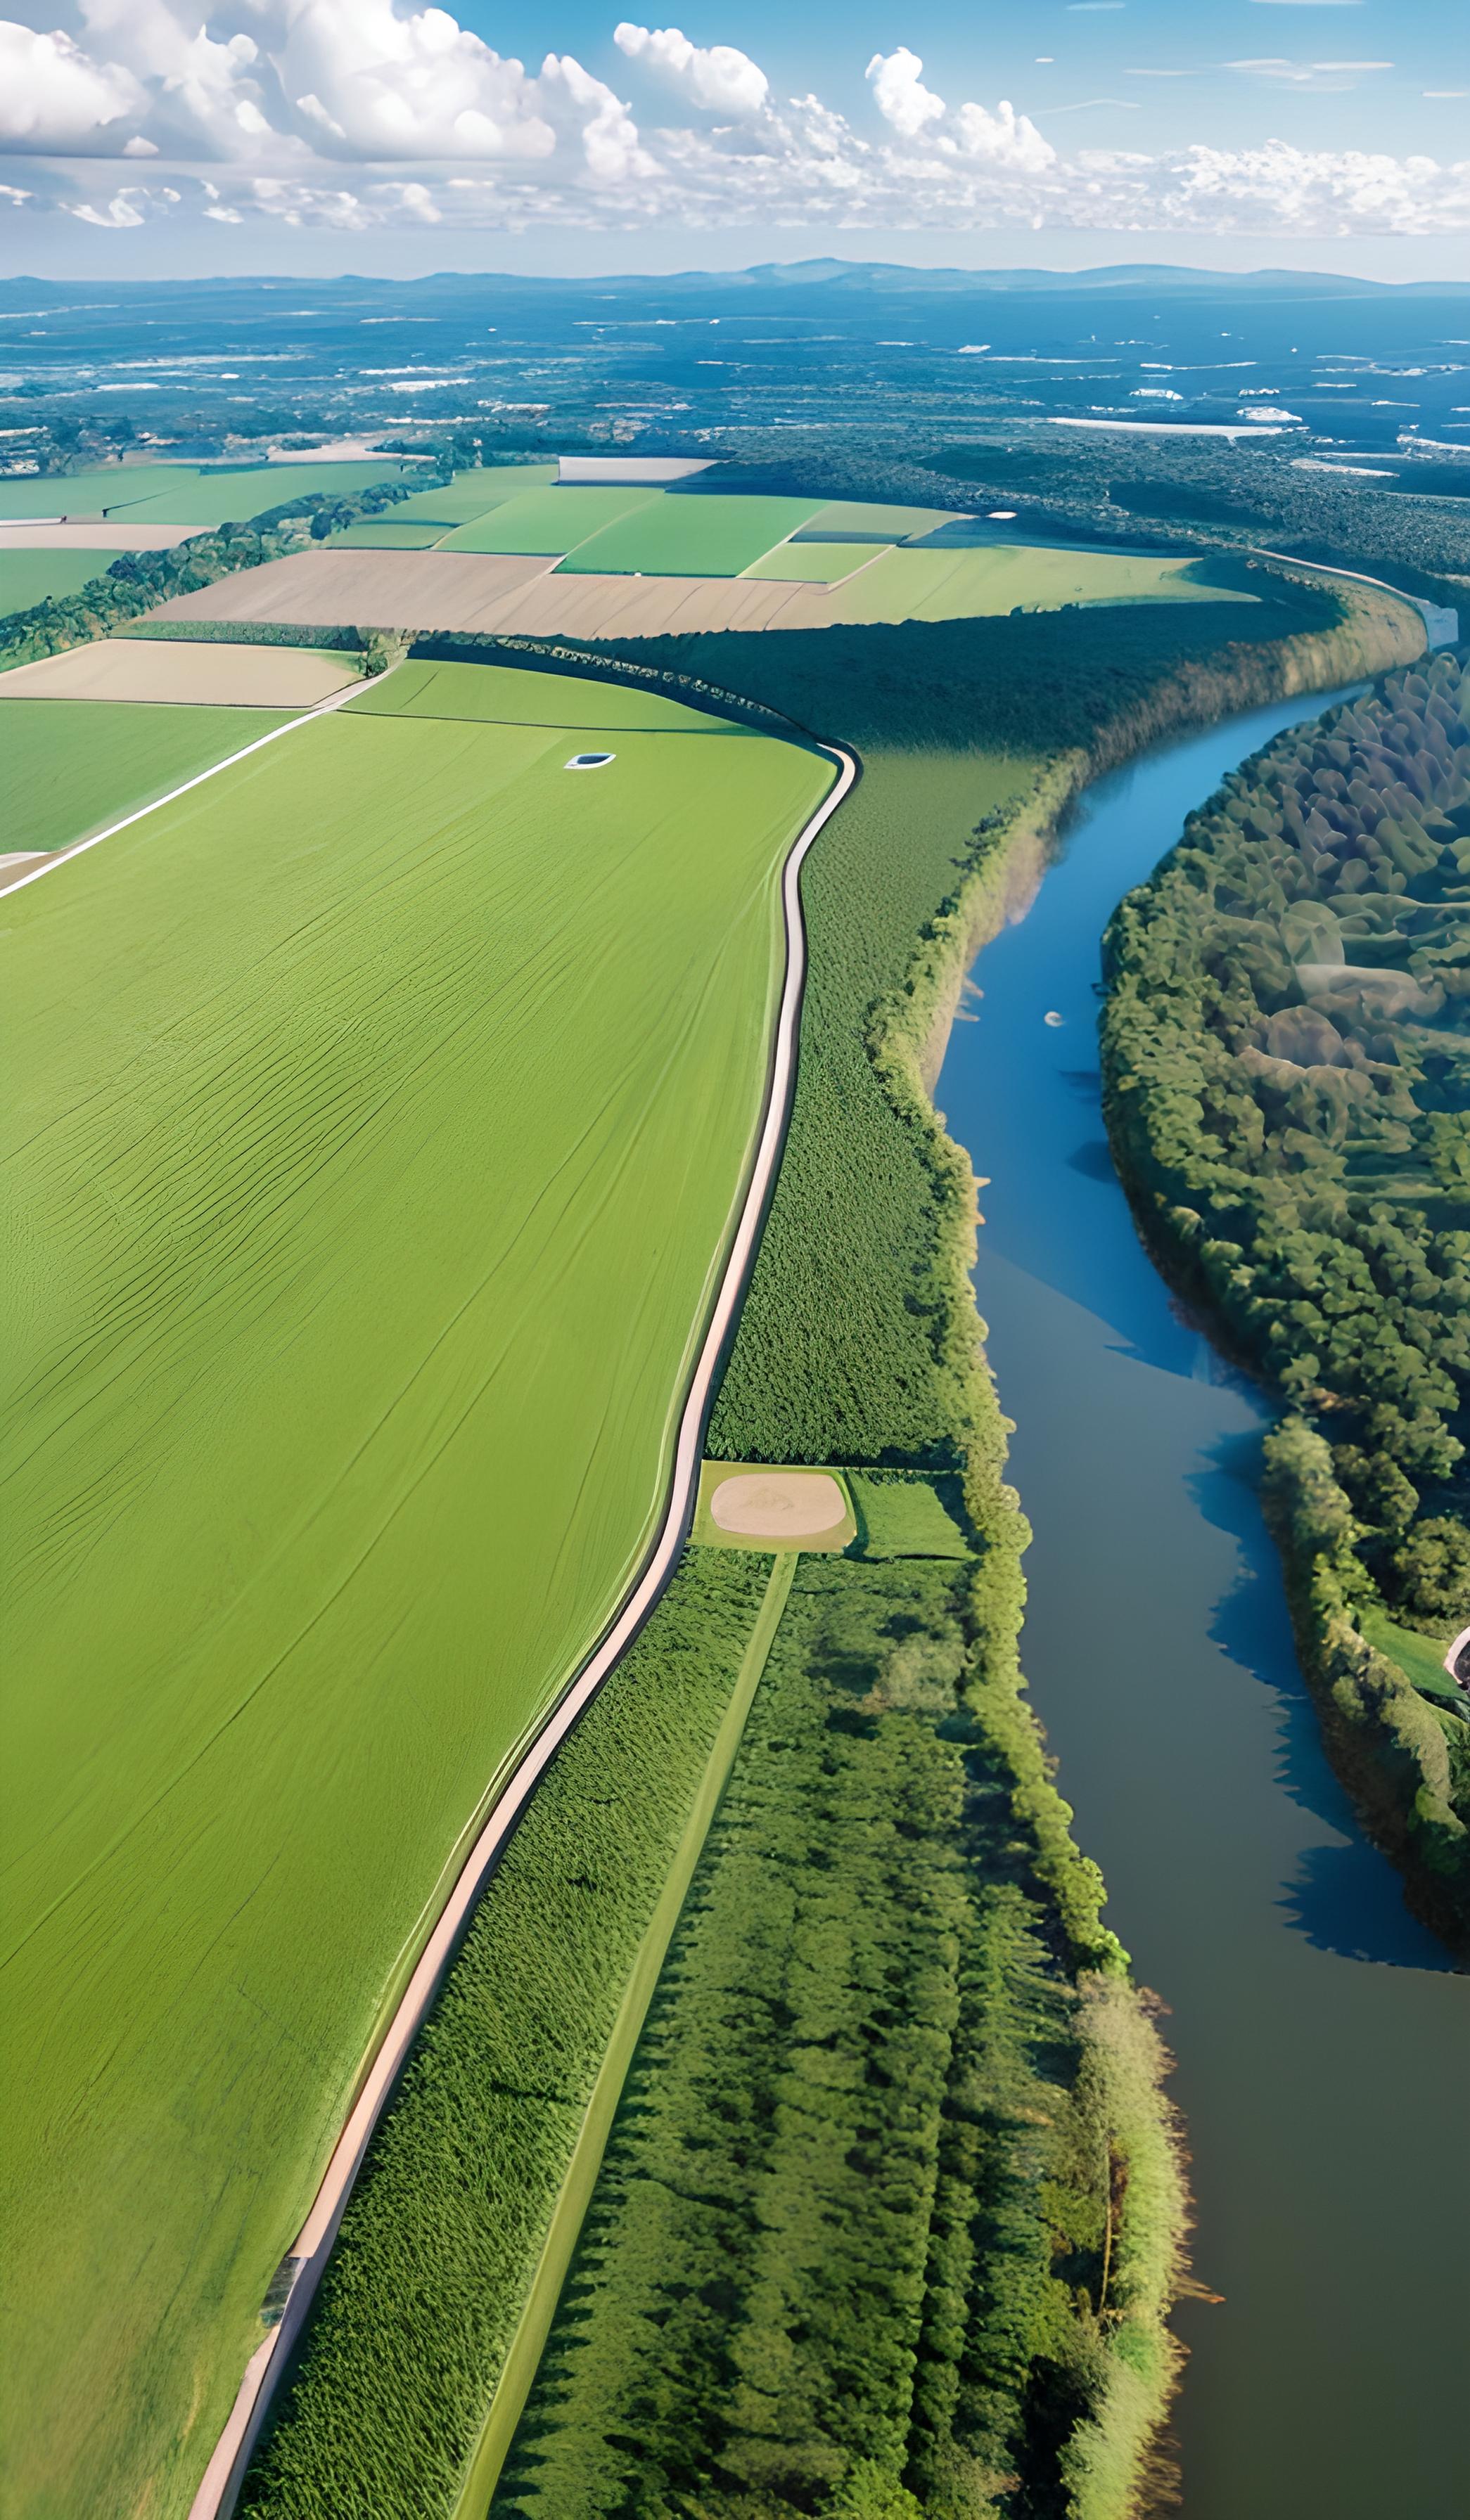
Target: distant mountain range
x,y
824,274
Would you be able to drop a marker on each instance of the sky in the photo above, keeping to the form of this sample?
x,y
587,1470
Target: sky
x,y
145,138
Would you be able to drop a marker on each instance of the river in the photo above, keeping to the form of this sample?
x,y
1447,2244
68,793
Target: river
x,y
1320,2034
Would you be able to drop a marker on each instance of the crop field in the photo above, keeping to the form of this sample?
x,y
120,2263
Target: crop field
x,y
548,520
693,534
182,494
28,577
813,563
377,1117
151,669
955,585
513,697
71,767
885,522
473,494
386,533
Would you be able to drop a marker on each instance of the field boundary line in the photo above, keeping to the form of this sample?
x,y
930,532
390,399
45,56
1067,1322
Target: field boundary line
x,y
306,2260
257,743
574,2195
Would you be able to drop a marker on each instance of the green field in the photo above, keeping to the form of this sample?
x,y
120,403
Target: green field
x,y
548,519
230,498
386,533
691,534
885,522
71,767
813,563
377,1115
27,577
1420,1658
473,494
513,698
87,494
956,585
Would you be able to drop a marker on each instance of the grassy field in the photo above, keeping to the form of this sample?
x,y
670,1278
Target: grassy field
x,y
423,689
954,585
692,534
1421,1658
886,524
87,494
548,520
386,533
473,494
69,767
376,1118
813,563
28,577
224,498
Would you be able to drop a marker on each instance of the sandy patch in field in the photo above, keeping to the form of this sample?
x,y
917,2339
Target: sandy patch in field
x,y
14,862
176,672
778,1505
107,533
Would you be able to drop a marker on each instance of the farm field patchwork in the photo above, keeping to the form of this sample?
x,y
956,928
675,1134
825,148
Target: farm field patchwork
x,y
378,1113
917,585
71,767
230,498
88,494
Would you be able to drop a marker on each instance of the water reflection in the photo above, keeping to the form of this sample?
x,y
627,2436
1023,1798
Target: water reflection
x,y
1320,2039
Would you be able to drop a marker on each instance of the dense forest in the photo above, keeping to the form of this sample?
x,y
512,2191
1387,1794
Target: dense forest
x,y
1287,1068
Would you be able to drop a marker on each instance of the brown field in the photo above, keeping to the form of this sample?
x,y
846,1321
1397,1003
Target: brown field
x,y
160,669
476,591
104,533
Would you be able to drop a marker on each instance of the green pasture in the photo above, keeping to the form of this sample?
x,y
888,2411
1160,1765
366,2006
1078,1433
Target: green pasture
x,y
386,533
87,494
71,767
28,577
514,697
549,519
231,498
884,522
813,563
473,494
958,585
1420,1658
376,1118
690,533
901,1514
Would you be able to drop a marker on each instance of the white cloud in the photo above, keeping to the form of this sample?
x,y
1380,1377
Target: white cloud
x,y
361,114
715,76
54,98
900,93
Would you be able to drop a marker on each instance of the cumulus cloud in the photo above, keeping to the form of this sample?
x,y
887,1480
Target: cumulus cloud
x,y
715,77
55,98
359,114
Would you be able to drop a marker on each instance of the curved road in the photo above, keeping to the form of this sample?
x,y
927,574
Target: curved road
x,y
222,2478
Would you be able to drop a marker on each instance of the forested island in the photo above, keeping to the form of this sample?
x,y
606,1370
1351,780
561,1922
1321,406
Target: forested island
x,y
1286,1047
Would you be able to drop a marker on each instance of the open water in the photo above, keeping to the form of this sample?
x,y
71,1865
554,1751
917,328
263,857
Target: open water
x,y
1323,2042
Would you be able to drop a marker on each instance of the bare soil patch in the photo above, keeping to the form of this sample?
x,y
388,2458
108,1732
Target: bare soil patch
x,y
179,672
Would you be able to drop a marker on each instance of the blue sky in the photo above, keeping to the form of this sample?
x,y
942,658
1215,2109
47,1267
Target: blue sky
x,y
392,135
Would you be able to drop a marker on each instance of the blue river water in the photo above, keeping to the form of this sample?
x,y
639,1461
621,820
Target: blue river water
x,y
1322,2040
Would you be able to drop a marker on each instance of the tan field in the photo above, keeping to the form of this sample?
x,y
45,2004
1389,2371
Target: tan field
x,y
105,534
174,670
476,591
777,1504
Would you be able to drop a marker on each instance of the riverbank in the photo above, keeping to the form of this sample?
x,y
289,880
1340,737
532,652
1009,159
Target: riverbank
x,y
1317,2032
1280,1045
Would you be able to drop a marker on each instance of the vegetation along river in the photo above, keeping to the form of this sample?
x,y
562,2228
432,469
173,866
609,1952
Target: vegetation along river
x,y
1321,2036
